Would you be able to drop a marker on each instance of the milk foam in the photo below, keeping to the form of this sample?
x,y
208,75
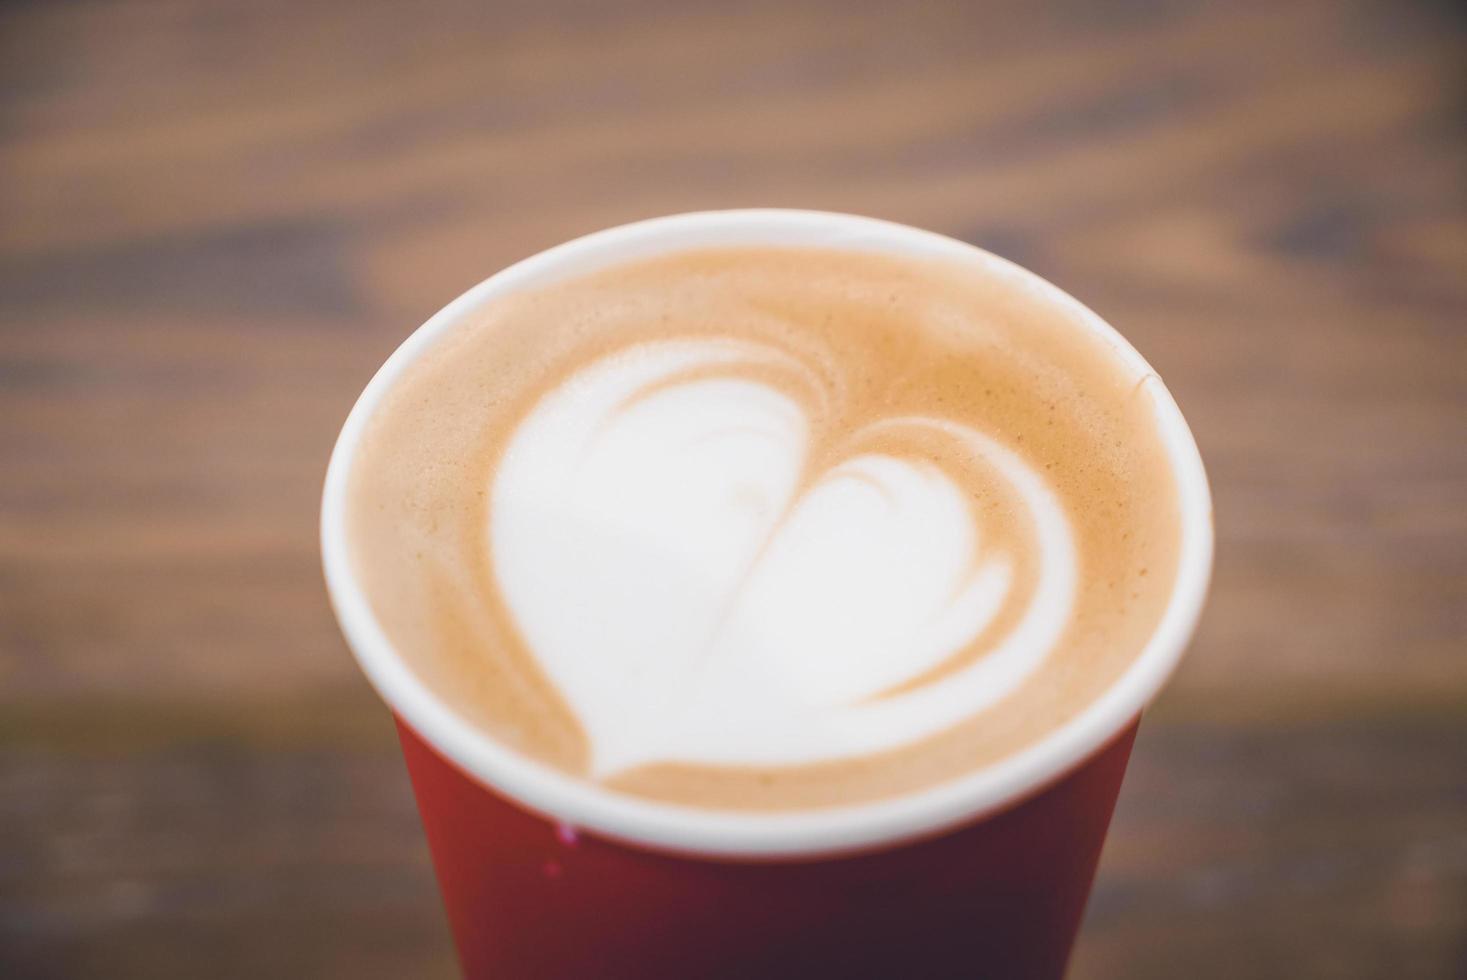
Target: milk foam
x,y
702,583
767,528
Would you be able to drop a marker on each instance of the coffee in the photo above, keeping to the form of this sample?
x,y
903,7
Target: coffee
x,y
768,528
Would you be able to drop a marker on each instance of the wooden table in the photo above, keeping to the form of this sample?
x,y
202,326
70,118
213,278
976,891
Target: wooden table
x,y
216,219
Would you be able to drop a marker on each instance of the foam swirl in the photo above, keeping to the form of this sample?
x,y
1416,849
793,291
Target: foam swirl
x,y
710,570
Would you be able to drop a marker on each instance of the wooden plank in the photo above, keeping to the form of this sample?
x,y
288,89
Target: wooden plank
x,y
217,219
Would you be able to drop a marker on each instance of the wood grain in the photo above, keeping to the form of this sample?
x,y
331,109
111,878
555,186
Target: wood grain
x,y
216,219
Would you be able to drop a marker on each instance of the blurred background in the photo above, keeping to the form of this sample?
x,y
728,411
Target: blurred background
x,y
217,219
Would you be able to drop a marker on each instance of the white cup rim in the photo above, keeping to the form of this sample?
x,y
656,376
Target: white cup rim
x,y
812,833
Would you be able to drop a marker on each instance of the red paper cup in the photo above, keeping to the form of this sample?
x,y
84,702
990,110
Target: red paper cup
x,y
545,875
527,897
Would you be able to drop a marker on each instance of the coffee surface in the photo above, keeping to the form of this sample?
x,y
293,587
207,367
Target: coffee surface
x,y
768,528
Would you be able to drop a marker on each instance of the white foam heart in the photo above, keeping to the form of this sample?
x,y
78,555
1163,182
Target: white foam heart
x,y
652,542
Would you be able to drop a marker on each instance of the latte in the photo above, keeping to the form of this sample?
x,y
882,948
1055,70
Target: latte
x,y
768,528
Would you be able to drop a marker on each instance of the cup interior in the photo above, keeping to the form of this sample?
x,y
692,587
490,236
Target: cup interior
x,y
803,834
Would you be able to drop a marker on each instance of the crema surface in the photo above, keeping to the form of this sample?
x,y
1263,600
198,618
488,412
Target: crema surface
x,y
768,528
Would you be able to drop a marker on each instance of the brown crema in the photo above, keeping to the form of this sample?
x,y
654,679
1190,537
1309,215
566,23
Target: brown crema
x,y
889,338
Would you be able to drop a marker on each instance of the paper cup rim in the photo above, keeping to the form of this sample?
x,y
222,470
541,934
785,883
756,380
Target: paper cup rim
x,y
799,834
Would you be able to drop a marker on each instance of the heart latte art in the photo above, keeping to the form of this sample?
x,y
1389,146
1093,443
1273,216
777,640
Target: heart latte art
x,y
704,582
767,528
